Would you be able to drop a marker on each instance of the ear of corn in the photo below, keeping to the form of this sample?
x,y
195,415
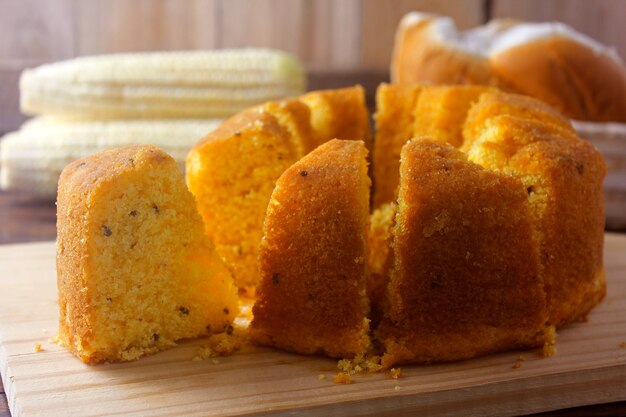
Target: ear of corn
x,y
32,158
202,84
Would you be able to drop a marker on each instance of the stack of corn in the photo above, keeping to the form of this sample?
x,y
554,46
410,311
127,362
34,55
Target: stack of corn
x,y
169,99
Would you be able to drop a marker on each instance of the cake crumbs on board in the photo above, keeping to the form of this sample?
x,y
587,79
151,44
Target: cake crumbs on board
x,y
518,362
38,347
549,346
622,345
360,363
394,373
548,350
342,378
221,344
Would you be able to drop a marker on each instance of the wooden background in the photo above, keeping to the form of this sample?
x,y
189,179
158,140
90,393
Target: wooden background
x,y
352,38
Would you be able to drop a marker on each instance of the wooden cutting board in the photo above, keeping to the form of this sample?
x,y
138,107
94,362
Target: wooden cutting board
x,y
589,367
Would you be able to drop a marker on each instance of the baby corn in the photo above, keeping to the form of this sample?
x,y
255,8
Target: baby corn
x,y
32,158
198,84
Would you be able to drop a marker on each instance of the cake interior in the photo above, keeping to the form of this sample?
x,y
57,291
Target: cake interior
x,y
150,277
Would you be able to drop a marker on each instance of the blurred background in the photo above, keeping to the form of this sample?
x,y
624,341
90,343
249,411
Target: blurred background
x,y
342,42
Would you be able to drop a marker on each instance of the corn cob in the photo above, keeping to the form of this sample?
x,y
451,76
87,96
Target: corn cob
x,y
32,158
202,84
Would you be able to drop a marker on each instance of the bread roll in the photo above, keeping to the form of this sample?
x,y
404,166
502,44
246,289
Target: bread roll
x,y
581,77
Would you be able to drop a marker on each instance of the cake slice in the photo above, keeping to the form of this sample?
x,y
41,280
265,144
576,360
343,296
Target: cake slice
x,y
135,271
233,170
563,178
466,274
312,296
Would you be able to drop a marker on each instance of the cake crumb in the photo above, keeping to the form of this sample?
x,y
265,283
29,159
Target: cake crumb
x,y
342,378
520,359
215,361
203,352
360,364
321,377
394,373
549,346
38,347
221,344
622,345
548,350
397,388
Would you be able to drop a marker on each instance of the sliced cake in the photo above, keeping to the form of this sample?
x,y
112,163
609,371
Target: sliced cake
x,y
233,170
466,277
312,296
135,271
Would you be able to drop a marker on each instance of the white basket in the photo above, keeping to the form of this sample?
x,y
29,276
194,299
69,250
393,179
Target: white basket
x,y
610,139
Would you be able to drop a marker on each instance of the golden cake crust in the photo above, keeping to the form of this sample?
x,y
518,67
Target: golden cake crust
x,y
312,296
466,276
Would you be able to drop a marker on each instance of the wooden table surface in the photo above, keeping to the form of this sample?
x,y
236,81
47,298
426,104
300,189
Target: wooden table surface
x,y
26,219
